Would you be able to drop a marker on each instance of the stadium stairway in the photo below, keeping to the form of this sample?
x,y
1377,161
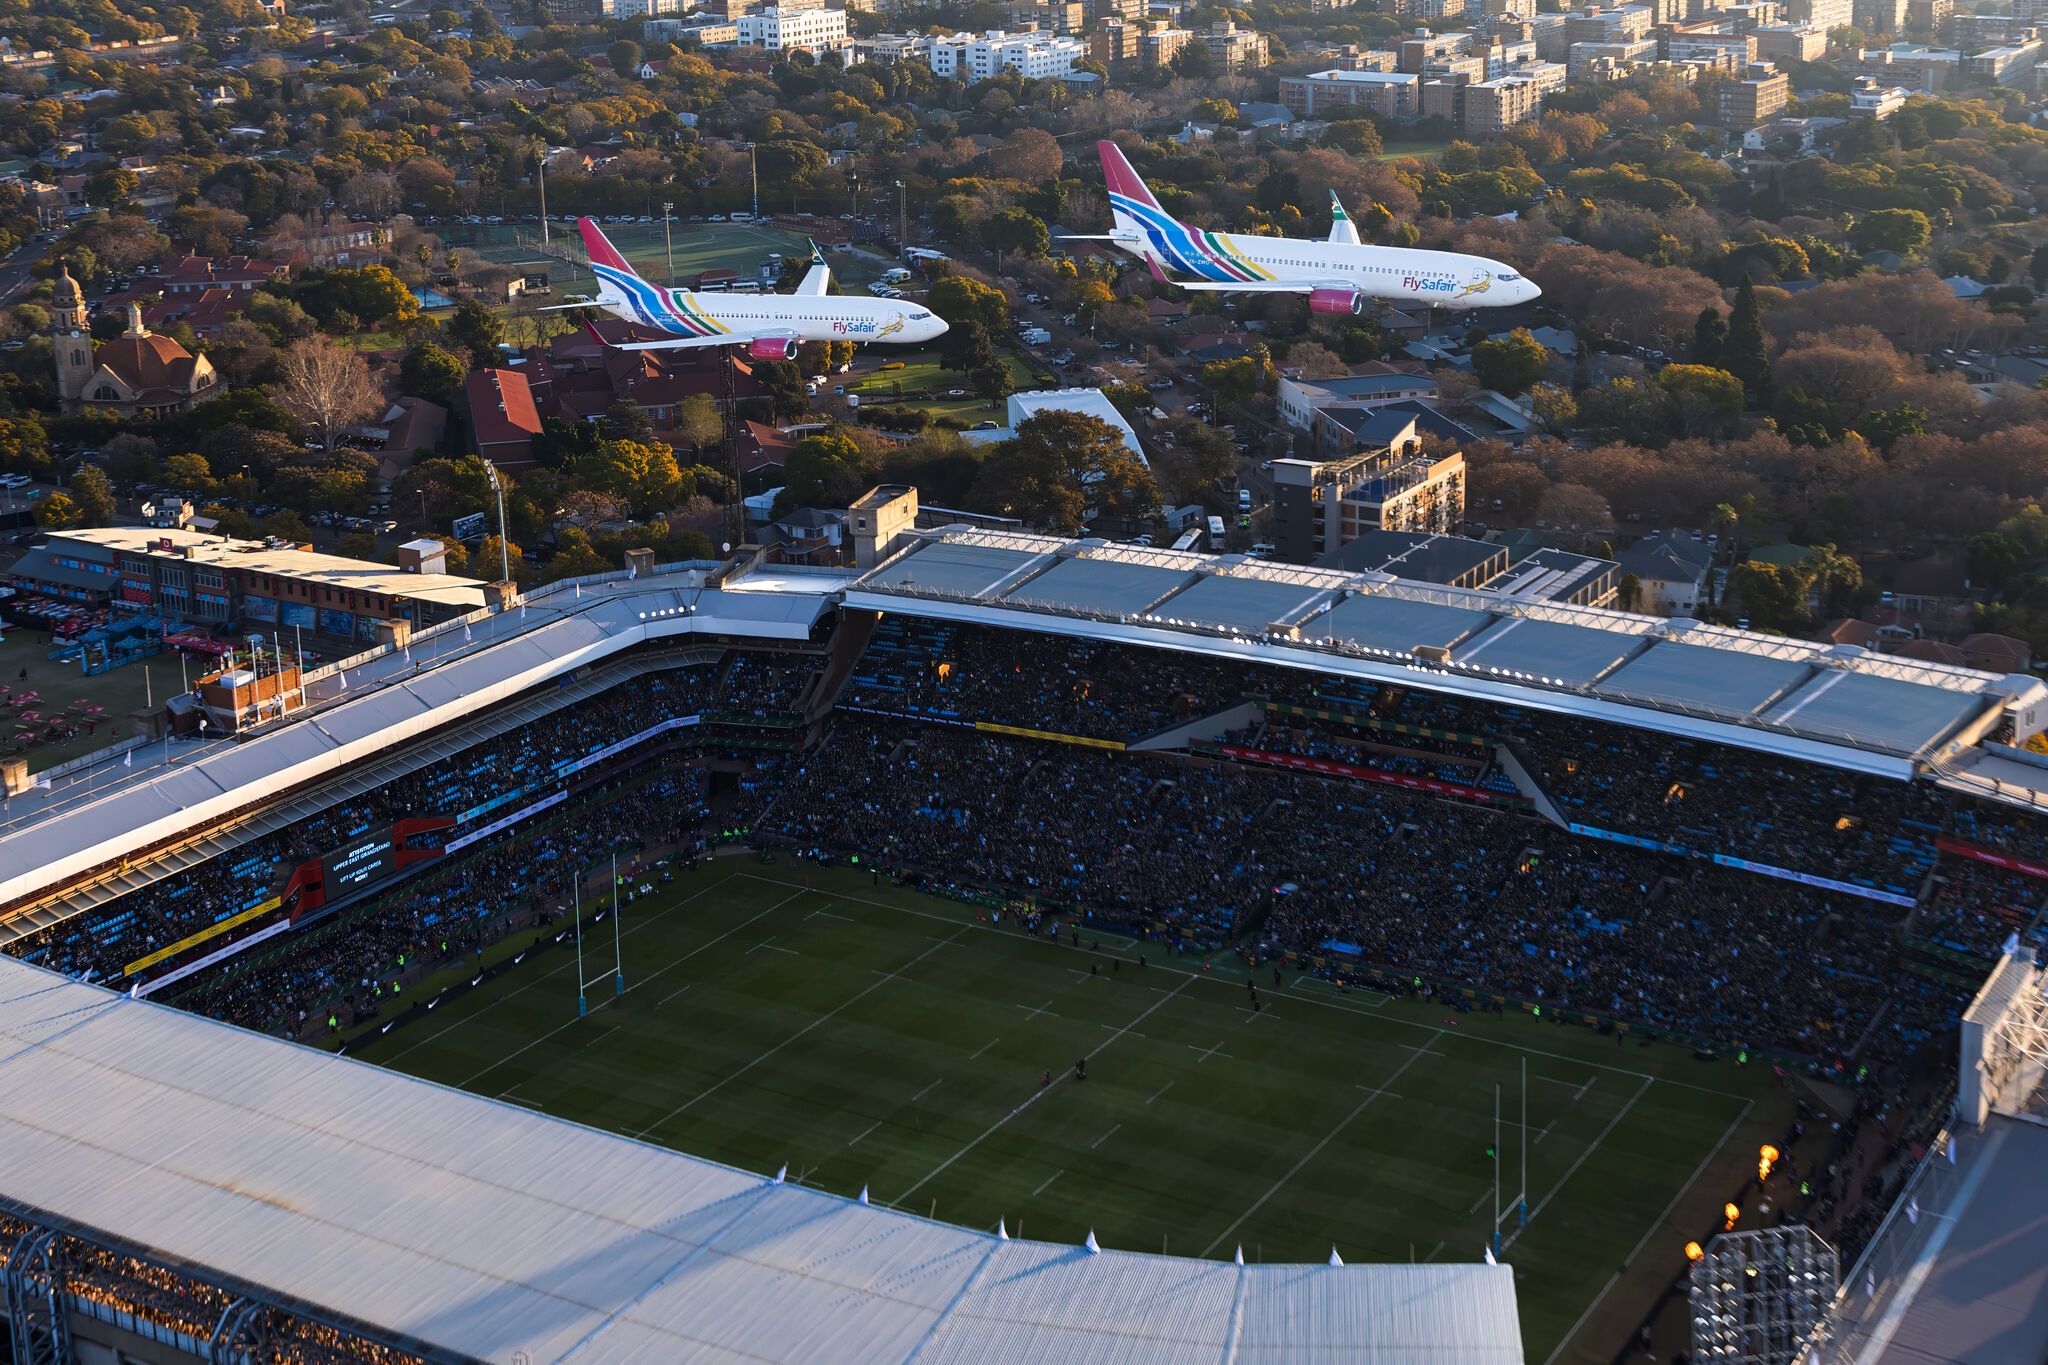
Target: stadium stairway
x,y
364,777
1510,764
848,644
1213,727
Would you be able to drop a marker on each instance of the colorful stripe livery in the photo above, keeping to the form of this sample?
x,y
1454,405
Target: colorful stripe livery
x,y
1208,255
665,310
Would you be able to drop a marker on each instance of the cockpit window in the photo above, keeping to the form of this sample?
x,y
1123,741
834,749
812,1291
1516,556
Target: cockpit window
x,y
1507,279
919,316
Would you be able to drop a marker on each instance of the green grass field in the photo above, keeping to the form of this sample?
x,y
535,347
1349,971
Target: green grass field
x,y
922,372
870,1036
698,247
120,690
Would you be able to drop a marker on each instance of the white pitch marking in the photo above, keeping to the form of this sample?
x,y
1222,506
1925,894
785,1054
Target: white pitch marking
x,y
1105,1137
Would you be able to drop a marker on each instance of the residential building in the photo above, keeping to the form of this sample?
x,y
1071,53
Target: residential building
x,y
1393,95
1790,43
1236,49
1868,99
1917,68
1597,25
2006,63
1425,47
970,58
242,274
1880,16
1821,14
333,244
1758,96
1113,42
1159,43
1708,43
502,417
1670,575
1050,16
1929,16
1563,577
217,581
1747,15
1299,400
1321,505
1102,11
1609,61
785,29
1493,107
1422,557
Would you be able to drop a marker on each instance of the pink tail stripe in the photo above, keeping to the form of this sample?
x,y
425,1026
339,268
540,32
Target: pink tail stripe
x,y
1118,175
602,252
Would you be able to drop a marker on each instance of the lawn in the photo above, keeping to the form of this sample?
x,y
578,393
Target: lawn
x,y
1393,149
922,372
121,690
698,247
874,1038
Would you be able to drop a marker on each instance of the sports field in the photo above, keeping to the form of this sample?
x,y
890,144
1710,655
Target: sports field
x,y
870,1036
698,247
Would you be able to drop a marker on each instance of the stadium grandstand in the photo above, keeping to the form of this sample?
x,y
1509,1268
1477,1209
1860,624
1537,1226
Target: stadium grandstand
x,y
1397,789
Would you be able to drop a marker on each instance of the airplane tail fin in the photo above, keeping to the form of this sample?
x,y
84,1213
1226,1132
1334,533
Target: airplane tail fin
x,y
615,275
818,279
1127,190
1342,229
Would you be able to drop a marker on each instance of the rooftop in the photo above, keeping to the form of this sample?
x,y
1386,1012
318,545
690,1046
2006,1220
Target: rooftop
x,y
332,571
465,1228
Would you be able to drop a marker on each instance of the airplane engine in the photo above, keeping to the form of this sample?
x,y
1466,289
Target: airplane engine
x,y
772,348
1336,301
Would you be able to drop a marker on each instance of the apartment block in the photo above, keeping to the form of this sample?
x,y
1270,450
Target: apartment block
x,y
1395,95
1758,96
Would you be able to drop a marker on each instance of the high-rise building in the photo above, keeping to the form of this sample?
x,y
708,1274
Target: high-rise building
x,y
1759,95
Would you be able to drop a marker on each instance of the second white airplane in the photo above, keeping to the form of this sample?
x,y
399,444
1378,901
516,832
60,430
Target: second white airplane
x,y
770,326
1338,275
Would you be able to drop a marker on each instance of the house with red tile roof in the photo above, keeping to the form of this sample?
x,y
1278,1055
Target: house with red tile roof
x,y
502,418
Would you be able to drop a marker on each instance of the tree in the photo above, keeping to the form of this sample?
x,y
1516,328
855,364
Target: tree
x,y
626,421
94,494
991,381
1057,466
1626,409
625,57
959,299
1510,364
189,472
1774,596
1014,230
1703,399
2037,266
1574,507
1315,361
1746,354
1902,231
477,330
325,387
575,556
1995,559
492,555
967,346
699,422
825,470
59,512
1554,406
1709,336
431,371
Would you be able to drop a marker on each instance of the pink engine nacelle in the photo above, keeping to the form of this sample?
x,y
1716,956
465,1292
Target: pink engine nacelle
x,y
772,348
1336,301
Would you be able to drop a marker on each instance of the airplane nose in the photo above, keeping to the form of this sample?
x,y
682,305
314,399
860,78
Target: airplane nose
x,y
939,327
1530,291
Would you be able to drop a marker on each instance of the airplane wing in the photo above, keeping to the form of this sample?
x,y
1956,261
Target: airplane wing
x,y
1247,286
679,343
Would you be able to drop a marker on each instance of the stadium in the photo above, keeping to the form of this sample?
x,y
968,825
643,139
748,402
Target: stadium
x,y
1028,949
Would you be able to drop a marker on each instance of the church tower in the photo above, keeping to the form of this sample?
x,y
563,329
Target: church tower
x,y
71,340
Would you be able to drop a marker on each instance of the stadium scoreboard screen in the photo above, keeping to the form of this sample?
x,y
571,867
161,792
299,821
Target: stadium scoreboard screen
x,y
362,862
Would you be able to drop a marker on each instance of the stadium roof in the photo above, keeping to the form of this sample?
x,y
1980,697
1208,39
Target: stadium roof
x,y
467,1228
1975,1285
1832,704
457,668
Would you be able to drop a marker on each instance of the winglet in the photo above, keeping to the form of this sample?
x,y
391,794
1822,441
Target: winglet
x,y
817,256
600,249
1337,208
595,335
1121,179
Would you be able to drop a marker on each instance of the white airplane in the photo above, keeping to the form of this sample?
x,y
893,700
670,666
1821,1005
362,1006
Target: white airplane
x,y
770,326
1338,275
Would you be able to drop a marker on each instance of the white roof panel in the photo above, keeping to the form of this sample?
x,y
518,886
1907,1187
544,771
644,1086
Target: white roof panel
x,y
1244,604
469,1226
1574,655
1398,624
951,567
1103,587
1707,679
1882,712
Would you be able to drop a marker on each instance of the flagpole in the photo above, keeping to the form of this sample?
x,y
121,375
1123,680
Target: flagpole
x,y
618,949
1523,1203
